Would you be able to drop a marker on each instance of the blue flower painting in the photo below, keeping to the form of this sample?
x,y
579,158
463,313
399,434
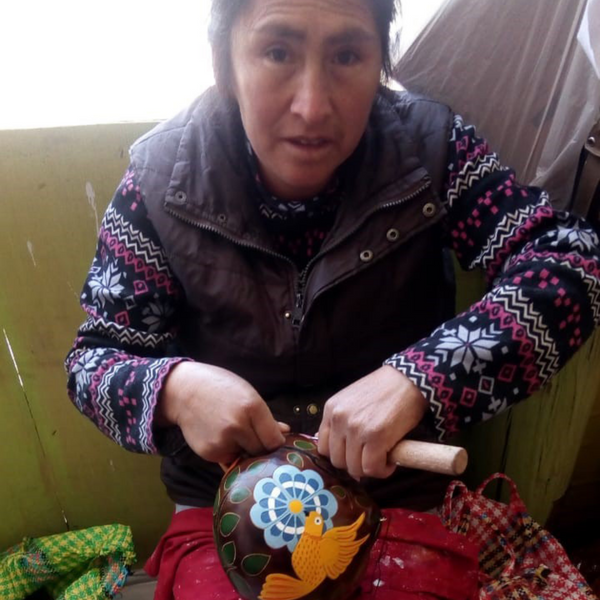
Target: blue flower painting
x,y
284,500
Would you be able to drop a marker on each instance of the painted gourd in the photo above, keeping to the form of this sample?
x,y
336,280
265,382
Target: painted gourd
x,y
289,525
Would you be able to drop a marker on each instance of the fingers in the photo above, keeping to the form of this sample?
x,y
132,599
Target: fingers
x,y
374,462
354,460
337,451
266,430
249,441
284,427
334,445
323,437
369,460
350,453
330,442
224,454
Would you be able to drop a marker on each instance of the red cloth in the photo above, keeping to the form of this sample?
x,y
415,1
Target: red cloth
x,y
414,558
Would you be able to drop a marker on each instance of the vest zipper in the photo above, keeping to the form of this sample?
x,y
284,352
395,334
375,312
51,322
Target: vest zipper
x,y
229,238
298,310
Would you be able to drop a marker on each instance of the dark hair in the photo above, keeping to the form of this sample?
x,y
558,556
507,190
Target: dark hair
x,y
225,12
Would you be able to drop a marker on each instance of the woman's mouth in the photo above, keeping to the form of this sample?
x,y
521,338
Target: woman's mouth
x,y
313,141
310,145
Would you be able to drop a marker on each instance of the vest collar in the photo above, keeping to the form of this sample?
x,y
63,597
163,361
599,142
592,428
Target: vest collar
x,y
385,168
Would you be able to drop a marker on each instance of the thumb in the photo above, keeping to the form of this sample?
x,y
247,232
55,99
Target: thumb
x,y
284,427
266,428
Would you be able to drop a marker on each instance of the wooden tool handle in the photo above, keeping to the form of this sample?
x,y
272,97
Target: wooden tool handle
x,y
436,458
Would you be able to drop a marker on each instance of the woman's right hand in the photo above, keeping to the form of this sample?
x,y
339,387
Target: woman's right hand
x,y
219,413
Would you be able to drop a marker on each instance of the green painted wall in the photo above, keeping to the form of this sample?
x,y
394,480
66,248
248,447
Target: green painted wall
x,y
57,470
577,512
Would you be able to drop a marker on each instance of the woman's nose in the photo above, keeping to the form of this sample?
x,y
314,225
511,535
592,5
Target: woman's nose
x,y
312,98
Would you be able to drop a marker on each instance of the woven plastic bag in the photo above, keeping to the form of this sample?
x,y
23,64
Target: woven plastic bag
x,y
518,558
88,564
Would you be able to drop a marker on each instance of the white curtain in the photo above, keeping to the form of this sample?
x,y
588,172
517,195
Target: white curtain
x,y
525,72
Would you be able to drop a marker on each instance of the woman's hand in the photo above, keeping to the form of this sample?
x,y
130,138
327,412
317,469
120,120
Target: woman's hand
x,y
365,420
219,413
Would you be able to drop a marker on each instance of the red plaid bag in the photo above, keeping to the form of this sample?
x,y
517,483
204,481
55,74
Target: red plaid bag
x,y
518,559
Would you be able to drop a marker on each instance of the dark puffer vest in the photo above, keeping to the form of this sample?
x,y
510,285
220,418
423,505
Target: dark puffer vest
x,y
379,283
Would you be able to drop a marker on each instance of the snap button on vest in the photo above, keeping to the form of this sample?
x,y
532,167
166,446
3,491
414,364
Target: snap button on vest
x,y
222,218
429,209
287,314
297,410
392,235
366,255
312,410
180,197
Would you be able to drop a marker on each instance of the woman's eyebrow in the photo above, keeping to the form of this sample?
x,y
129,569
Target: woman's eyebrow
x,y
280,30
352,35
345,36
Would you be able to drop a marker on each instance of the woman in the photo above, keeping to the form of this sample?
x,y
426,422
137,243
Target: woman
x,y
275,259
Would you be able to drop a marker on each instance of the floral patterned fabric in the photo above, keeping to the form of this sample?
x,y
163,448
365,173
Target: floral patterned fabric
x,y
542,266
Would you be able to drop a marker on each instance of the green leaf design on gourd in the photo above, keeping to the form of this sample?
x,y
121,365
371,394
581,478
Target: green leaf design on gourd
x,y
228,552
255,564
230,479
295,459
339,491
229,521
239,494
256,467
304,445
217,501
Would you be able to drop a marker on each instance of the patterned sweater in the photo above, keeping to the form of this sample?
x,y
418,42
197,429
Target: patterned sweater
x,y
542,267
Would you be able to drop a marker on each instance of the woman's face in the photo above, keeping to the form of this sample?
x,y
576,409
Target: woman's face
x,y
305,73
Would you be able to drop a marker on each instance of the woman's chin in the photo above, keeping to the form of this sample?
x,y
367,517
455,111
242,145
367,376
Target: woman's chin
x,y
298,186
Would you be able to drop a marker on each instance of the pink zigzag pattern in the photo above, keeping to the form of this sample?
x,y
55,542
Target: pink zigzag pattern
x,y
590,266
522,234
520,335
480,151
153,383
587,269
440,394
150,273
96,379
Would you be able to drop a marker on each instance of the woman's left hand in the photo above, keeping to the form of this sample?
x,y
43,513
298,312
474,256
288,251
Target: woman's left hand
x,y
365,420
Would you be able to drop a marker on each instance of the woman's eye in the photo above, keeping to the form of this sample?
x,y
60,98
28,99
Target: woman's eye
x,y
346,58
278,55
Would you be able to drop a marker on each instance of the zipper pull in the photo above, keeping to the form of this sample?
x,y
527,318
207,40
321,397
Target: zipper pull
x,y
298,310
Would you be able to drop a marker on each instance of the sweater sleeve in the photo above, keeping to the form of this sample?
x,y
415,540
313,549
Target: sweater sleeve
x,y
542,267
120,358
